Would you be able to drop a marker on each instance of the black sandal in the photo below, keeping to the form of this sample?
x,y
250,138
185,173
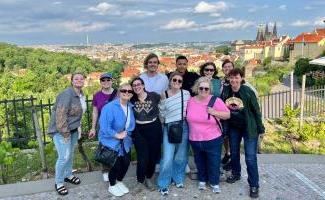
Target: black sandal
x,y
61,190
74,180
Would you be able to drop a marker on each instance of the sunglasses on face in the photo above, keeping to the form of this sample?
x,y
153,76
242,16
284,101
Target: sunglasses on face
x,y
204,88
209,70
126,91
106,80
177,80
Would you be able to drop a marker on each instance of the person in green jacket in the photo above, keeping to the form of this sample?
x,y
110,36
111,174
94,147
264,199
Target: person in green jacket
x,y
210,71
245,122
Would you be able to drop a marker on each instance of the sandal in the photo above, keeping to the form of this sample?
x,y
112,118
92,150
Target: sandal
x,y
61,190
74,180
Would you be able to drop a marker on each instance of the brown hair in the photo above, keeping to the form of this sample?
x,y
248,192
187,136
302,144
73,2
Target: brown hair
x,y
148,57
202,67
227,61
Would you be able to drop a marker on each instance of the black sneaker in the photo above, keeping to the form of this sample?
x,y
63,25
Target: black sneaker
x,y
253,192
225,159
232,179
227,167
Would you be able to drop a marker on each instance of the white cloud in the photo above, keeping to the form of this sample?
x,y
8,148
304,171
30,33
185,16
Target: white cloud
x,y
176,10
122,32
228,23
319,21
75,26
138,13
278,24
215,14
300,23
103,9
204,7
257,8
179,24
283,7
308,8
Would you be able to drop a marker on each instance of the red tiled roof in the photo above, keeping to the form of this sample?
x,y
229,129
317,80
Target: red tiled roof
x,y
320,31
308,38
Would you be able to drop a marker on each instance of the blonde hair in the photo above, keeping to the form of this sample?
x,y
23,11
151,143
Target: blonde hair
x,y
123,85
203,79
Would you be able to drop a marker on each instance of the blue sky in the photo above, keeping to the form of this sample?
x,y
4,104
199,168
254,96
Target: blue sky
x,y
123,21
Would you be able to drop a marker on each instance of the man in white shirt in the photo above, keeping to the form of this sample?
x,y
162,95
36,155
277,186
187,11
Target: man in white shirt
x,y
153,80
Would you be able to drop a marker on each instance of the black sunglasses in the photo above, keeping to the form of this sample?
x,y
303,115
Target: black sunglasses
x,y
126,91
177,80
204,88
105,79
209,70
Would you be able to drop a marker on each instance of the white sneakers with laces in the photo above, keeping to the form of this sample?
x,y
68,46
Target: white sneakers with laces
x,y
118,190
122,187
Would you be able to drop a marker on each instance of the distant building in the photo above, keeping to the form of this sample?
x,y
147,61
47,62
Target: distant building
x,y
309,45
263,33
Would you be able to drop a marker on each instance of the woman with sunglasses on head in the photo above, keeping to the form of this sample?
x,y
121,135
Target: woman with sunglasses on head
x,y
245,123
116,124
205,133
147,135
100,98
175,155
65,127
210,71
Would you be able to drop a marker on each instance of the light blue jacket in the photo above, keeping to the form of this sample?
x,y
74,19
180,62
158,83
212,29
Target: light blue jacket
x,y
112,121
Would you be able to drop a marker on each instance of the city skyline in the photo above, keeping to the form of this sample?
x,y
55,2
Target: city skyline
x,y
30,22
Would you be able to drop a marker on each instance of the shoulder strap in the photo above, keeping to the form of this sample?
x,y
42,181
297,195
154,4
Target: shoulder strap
x,y
112,95
166,94
182,102
211,103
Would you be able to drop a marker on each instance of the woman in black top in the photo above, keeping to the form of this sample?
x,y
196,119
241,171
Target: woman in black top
x,y
147,136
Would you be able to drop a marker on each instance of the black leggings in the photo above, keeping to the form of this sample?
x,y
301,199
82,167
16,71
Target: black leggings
x,y
119,169
147,143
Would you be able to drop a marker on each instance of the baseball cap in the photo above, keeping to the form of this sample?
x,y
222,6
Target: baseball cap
x,y
106,75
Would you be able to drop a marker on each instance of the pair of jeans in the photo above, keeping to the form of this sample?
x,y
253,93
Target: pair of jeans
x,y
147,142
174,159
207,156
250,147
65,149
119,169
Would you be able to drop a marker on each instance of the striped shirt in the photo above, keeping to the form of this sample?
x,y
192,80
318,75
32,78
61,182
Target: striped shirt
x,y
170,108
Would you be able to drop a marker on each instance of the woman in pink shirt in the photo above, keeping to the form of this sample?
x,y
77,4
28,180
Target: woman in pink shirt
x,y
205,134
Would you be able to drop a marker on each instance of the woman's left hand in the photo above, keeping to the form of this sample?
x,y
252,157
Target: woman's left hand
x,y
211,111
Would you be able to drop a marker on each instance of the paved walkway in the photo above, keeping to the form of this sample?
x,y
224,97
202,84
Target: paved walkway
x,y
282,177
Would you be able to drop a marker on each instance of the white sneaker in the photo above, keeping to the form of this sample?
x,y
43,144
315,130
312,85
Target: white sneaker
x,y
105,177
122,187
187,169
202,186
215,189
115,190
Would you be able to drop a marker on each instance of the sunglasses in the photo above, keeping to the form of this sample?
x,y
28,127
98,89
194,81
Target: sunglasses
x,y
209,70
105,80
126,91
177,80
204,88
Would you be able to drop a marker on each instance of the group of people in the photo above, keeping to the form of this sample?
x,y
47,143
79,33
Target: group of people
x,y
207,110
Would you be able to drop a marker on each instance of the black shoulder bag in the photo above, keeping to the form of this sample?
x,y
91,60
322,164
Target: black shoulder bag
x,y
210,104
175,130
106,155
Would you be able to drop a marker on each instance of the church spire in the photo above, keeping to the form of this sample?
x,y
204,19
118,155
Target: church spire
x,y
275,32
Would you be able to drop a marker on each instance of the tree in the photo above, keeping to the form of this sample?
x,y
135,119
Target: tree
x,y
223,49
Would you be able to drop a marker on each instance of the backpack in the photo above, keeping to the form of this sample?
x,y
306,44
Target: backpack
x,y
210,104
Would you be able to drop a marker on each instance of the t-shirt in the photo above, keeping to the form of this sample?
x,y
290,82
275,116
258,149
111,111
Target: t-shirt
x,y
236,107
171,107
157,83
99,100
202,128
146,111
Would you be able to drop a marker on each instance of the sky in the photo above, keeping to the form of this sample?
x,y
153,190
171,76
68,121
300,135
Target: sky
x,y
27,22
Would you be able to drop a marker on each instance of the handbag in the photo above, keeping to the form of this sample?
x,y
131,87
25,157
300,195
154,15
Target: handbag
x,y
175,130
108,156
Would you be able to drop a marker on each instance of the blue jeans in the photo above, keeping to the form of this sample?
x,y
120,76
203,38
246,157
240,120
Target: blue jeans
x,y
174,159
207,156
250,147
65,150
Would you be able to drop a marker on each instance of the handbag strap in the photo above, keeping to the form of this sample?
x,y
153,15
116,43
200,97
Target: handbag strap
x,y
182,108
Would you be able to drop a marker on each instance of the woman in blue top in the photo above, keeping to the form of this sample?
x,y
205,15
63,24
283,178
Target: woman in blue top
x,y
116,124
210,71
